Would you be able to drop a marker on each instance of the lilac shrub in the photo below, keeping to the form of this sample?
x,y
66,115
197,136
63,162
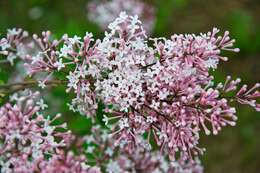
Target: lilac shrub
x,y
154,90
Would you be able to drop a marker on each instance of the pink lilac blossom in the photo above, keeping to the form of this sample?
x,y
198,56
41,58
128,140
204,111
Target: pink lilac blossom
x,y
158,87
67,163
116,159
27,139
26,135
103,12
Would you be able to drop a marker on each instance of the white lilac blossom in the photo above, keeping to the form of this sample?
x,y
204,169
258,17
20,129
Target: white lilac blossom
x,y
41,104
156,87
103,12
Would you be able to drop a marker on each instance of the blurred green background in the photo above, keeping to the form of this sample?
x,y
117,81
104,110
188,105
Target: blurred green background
x,y
235,150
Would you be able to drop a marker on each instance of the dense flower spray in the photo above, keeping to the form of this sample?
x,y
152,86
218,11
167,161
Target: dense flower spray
x,y
102,12
153,89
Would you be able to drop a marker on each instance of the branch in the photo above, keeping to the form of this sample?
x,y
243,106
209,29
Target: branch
x,y
161,114
14,87
153,125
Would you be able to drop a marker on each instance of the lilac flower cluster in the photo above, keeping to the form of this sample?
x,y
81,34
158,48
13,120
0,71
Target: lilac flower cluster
x,y
29,143
154,89
67,163
102,12
116,159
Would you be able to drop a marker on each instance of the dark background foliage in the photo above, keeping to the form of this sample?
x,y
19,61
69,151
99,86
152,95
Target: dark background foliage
x,y
235,150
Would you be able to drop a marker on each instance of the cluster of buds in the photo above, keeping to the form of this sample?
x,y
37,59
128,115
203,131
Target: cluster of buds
x,y
102,12
155,89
